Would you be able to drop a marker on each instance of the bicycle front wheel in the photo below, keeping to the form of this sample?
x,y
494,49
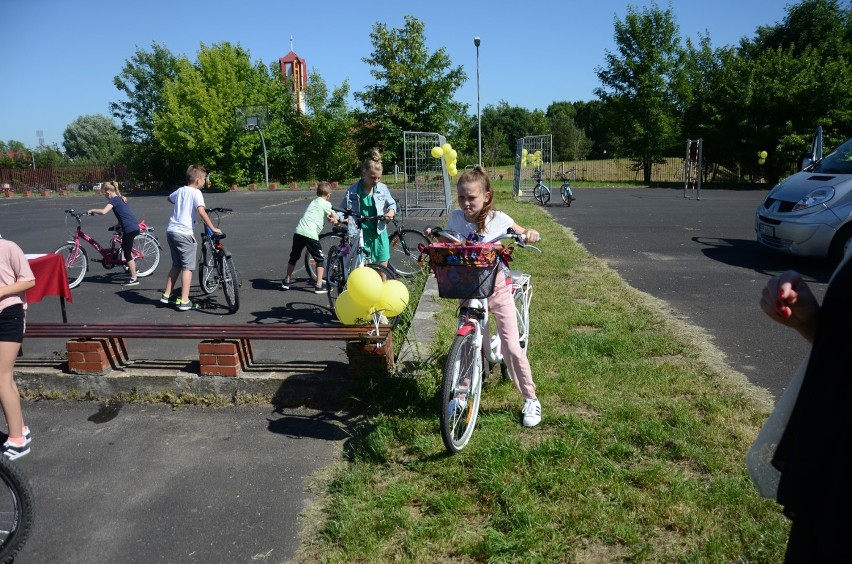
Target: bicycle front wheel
x,y
146,253
207,278
542,194
230,283
76,262
327,241
567,194
17,510
335,276
461,392
405,258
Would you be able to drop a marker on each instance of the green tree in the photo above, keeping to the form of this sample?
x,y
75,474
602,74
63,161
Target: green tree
x,y
329,149
142,82
511,123
569,141
196,122
638,84
93,139
413,91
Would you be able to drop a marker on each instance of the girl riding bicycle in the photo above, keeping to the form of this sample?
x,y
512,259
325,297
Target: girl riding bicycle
x,y
129,226
478,218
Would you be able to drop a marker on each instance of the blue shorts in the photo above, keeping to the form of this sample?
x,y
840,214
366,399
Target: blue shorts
x,y
183,249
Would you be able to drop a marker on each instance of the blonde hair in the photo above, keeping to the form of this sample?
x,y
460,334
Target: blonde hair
x,y
113,187
478,175
373,163
323,188
194,172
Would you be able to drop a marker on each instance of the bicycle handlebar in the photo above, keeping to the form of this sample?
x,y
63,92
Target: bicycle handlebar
x,y
218,210
520,238
361,218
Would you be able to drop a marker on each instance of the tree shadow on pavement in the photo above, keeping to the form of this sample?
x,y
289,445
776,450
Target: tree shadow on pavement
x,y
752,255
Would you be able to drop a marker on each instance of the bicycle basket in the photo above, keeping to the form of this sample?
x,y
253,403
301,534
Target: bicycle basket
x,y
466,270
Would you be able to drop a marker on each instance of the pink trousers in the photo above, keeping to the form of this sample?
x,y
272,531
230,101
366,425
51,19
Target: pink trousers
x,y
501,305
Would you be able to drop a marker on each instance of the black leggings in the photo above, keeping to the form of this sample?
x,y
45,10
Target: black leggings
x,y
127,244
301,242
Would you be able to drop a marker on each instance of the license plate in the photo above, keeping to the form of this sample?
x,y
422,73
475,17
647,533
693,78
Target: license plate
x,y
767,230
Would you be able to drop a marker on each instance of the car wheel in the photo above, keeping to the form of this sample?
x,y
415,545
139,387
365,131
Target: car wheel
x,y
840,243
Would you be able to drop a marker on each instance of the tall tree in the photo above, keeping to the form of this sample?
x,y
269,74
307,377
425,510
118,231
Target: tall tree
x,y
93,139
413,91
196,122
569,141
142,82
638,84
328,150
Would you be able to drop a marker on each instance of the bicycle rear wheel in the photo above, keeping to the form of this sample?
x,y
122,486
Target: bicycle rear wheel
x,y
327,241
567,194
405,259
542,194
230,283
76,261
17,510
207,278
146,253
461,392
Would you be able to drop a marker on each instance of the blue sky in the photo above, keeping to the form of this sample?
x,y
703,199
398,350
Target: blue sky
x,y
60,56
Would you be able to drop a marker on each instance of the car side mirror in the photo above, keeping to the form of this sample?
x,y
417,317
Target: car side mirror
x,y
807,160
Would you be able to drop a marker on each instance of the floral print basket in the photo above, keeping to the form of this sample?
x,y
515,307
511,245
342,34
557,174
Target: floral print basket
x,y
466,270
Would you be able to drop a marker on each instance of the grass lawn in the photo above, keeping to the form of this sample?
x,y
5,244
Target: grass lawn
x,y
640,456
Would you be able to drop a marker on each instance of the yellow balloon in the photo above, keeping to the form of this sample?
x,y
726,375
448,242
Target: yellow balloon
x,y
365,285
453,155
393,300
452,170
763,154
437,152
446,147
349,312
761,161
524,152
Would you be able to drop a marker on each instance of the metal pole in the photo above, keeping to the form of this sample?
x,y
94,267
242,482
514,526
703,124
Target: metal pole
x,y
265,162
476,41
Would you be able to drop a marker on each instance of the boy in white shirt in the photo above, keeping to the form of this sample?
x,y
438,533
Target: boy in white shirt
x,y
188,201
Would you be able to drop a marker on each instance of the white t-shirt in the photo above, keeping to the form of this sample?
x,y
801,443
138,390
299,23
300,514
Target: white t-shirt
x,y
186,201
496,224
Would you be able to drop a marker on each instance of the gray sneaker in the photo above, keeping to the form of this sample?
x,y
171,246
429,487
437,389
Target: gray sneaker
x,y
185,306
132,282
285,284
321,289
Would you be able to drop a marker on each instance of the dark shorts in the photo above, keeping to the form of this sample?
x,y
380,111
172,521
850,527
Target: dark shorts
x,y
300,242
12,324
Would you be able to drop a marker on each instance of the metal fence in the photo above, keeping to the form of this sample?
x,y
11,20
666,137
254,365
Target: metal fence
x,y
533,163
71,178
427,185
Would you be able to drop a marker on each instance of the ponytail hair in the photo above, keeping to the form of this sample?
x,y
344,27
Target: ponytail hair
x,y
478,175
113,187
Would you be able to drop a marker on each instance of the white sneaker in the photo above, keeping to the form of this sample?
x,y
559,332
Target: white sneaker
x,y
456,406
531,412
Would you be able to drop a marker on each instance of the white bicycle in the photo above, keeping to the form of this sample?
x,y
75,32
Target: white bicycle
x,y
474,350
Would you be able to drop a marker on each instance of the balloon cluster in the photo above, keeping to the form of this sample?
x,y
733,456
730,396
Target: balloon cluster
x,y
531,159
366,294
446,150
761,157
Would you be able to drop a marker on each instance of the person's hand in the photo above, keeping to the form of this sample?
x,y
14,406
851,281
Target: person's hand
x,y
216,230
532,236
788,299
388,218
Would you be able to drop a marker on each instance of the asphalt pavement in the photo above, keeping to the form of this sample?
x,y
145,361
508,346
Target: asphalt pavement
x,y
700,256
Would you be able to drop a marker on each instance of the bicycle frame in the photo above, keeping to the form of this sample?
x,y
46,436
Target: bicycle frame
x,y
111,256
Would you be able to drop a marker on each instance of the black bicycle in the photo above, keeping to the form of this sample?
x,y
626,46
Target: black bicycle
x,y
17,510
405,258
216,266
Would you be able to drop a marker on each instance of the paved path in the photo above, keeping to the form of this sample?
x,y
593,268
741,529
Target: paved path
x,y
700,257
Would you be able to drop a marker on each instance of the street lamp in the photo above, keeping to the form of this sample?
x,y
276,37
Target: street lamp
x,y
476,42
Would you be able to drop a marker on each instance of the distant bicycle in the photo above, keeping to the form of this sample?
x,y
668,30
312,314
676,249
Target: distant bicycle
x,y
216,267
405,260
565,190
146,251
540,191
17,510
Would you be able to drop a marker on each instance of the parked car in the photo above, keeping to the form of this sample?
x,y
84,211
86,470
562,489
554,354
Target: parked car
x,y
810,213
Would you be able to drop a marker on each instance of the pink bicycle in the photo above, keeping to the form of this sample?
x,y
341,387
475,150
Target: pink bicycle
x,y
146,251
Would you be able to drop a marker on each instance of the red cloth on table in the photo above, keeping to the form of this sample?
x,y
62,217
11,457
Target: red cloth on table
x,y
50,277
